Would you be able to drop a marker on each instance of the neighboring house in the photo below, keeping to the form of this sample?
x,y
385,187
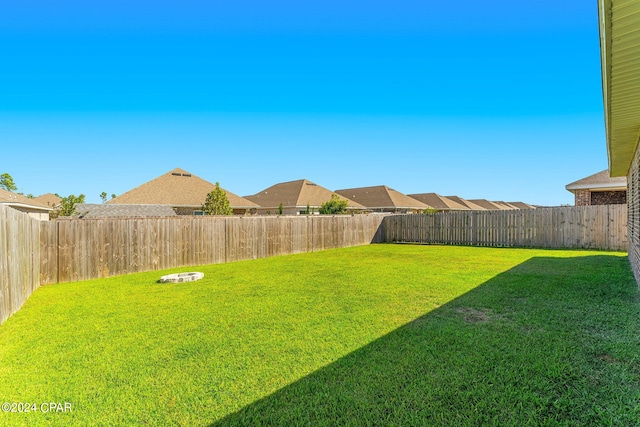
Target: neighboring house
x,y
490,206
439,202
599,189
88,210
619,24
183,191
381,198
521,205
468,203
296,197
24,204
507,205
49,199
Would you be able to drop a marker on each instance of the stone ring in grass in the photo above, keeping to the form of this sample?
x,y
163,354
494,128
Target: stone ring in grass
x,y
181,277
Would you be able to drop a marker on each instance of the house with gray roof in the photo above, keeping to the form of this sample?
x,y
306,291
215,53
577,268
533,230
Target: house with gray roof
x,y
49,199
521,205
24,204
181,190
297,197
490,206
468,203
381,198
438,202
599,189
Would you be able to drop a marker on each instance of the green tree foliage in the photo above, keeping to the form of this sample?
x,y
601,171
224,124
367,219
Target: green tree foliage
x,y
6,182
103,196
280,209
217,202
334,206
67,205
429,211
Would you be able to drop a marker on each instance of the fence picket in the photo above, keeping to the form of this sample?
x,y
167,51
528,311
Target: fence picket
x,y
586,227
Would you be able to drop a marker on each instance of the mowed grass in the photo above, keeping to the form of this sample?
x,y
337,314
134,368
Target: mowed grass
x,y
375,335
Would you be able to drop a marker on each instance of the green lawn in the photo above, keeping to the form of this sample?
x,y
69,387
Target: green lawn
x,y
375,335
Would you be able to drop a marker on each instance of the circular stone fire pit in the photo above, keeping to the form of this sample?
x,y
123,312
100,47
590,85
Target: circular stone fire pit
x,y
181,277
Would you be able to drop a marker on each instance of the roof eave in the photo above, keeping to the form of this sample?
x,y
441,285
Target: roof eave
x,y
24,205
619,46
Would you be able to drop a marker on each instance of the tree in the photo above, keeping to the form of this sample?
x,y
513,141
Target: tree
x,y
217,202
68,206
113,196
334,206
280,209
6,182
103,196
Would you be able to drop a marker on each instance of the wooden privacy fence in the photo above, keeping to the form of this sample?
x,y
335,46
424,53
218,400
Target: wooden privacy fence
x,y
19,259
34,252
584,227
93,248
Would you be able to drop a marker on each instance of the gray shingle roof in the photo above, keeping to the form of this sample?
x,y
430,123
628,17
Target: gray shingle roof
x,y
601,180
88,210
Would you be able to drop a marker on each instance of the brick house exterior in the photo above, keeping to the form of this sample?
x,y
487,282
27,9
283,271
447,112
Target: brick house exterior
x,y
599,189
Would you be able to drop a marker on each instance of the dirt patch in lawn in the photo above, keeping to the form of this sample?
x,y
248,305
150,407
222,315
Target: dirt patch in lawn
x,y
471,315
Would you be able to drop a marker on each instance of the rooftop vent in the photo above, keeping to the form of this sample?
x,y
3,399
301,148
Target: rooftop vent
x,y
175,174
186,174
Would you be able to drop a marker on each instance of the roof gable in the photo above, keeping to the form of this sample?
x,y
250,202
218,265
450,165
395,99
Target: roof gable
x,y
176,188
49,199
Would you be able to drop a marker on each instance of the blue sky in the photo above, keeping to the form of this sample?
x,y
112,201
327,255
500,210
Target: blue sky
x,y
497,99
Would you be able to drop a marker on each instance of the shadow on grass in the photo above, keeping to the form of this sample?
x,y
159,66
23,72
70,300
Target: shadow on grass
x,y
551,341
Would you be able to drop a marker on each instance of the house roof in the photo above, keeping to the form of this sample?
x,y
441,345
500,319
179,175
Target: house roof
x,y
490,206
88,210
49,199
298,193
600,181
436,201
504,205
382,197
468,203
18,200
521,205
177,188
619,23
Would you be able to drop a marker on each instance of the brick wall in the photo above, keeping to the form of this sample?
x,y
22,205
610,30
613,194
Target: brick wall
x,y
633,218
583,197
608,197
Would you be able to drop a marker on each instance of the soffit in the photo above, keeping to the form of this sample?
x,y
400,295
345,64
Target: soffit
x,y
620,55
